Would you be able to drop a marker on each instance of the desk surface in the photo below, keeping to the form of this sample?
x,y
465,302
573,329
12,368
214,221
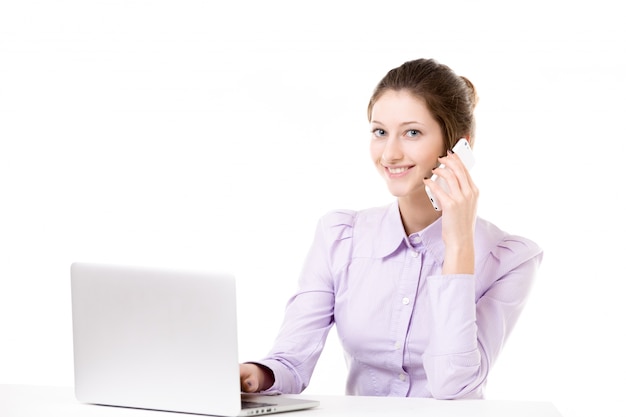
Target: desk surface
x,y
31,401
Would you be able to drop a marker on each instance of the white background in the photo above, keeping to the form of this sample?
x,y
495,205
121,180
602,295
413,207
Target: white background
x,y
203,134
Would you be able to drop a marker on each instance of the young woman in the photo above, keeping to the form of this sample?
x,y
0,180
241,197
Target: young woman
x,y
423,300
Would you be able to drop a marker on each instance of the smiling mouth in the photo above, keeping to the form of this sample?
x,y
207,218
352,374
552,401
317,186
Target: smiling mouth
x,y
398,170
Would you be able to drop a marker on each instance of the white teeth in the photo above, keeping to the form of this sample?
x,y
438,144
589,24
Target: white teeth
x,y
397,170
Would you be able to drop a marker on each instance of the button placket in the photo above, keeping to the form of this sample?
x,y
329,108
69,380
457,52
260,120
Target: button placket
x,y
403,310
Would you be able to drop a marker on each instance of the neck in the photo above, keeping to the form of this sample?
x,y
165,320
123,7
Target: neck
x,y
416,213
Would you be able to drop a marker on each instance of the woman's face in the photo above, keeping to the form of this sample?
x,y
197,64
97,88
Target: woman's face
x,y
406,142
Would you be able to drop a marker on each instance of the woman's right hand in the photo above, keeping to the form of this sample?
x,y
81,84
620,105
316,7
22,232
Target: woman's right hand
x,y
255,378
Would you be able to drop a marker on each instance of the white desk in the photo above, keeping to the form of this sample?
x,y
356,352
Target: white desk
x,y
36,401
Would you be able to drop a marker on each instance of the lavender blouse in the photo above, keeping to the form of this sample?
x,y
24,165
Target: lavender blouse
x,y
407,330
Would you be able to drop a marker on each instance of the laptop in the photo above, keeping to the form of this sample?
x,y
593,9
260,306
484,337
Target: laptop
x,y
161,339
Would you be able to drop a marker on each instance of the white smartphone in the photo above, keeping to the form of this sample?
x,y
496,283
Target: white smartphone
x,y
464,151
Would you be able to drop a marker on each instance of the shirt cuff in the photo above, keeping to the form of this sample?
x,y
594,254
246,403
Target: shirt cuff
x,y
285,382
453,314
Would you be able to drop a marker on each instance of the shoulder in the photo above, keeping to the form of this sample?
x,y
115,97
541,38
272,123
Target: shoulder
x,y
341,222
496,245
372,232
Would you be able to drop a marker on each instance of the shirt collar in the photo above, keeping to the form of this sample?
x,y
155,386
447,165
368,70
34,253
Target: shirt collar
x,y
388,235
432,241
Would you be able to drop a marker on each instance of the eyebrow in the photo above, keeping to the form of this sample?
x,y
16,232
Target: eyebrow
x,y
403,123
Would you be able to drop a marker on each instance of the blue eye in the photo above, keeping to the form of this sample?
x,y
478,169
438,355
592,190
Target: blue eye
x,y
412,133
379,132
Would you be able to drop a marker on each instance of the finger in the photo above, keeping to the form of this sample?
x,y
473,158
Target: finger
x,y
453,162
451,188
250,384
447,175
456,174
437,190
466,184
248,380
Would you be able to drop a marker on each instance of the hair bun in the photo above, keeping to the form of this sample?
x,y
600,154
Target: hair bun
x,y
472,95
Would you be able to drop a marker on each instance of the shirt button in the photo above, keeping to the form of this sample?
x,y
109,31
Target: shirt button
x,y
402,377
415,254
397,345
406,301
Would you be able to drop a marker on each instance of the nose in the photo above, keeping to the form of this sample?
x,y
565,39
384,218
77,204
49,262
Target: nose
x,y
392,151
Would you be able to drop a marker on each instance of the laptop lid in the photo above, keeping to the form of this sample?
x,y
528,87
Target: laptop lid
x,y
157,339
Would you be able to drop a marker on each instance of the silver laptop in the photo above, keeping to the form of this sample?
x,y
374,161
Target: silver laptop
x,y
163,340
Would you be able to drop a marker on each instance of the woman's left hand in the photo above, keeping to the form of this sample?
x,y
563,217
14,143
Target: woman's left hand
x,y
458,208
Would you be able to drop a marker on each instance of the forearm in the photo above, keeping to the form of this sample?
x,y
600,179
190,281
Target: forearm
x,y
459,258
452,360
308,319
469,324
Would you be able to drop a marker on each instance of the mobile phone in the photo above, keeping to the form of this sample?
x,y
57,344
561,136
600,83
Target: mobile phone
x,y
464,151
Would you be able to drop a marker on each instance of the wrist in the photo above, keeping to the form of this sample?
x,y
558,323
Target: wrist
x,y
458,259
266,377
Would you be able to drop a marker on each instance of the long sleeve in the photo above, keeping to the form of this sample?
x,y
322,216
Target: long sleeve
x,y
468,330
309,314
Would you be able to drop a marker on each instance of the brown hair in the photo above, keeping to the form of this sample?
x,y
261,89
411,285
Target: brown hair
x,y
450,98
